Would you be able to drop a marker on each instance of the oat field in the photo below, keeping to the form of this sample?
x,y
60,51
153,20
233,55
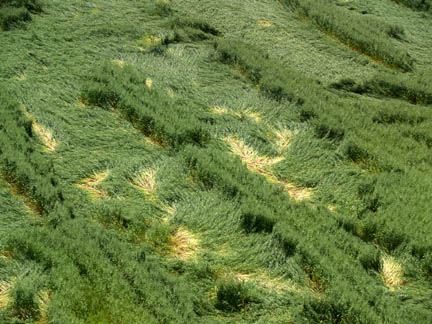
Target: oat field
x,y
216,162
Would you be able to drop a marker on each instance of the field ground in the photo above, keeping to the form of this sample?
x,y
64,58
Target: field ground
x,y
225,161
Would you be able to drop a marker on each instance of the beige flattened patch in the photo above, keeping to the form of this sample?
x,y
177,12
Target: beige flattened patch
x,y
43,301
256,117
332,208
5,299
295,192
252,160
118,62
170,93
90,184
149,83
391,273
149,40
21,77
284,139
145,181
277,285
261,164
30,205
247,113
219,110
46,136
183,244
265,23
170,210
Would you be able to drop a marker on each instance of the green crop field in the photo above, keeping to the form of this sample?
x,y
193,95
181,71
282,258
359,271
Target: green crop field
x,y
230,161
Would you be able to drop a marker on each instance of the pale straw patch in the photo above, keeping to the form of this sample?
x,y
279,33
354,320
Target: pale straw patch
x,y
222,110
5,299
252,115
219,110
332,208
265,23
284,139
119,63
277,285
43,300
46,136
391,273
145,181
247,154
30,205
170,93
150,40
261,164
295,192
170,210
184,244
21,77
175,51
149,83
90,184
42,132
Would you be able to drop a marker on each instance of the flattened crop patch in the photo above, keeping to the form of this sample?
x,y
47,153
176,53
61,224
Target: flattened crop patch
x,y
392,273
252,160
265,23
44,133
262,164
5,298
283,139
184,244
247,113
90,185
46,136
277,285
145,181
43,301
118,62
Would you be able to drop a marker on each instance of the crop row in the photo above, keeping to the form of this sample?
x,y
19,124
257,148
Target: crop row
x,y
153,112
264,206
107,271
416,90
420,5
363,132
341,267
14,12
362,32
316,238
